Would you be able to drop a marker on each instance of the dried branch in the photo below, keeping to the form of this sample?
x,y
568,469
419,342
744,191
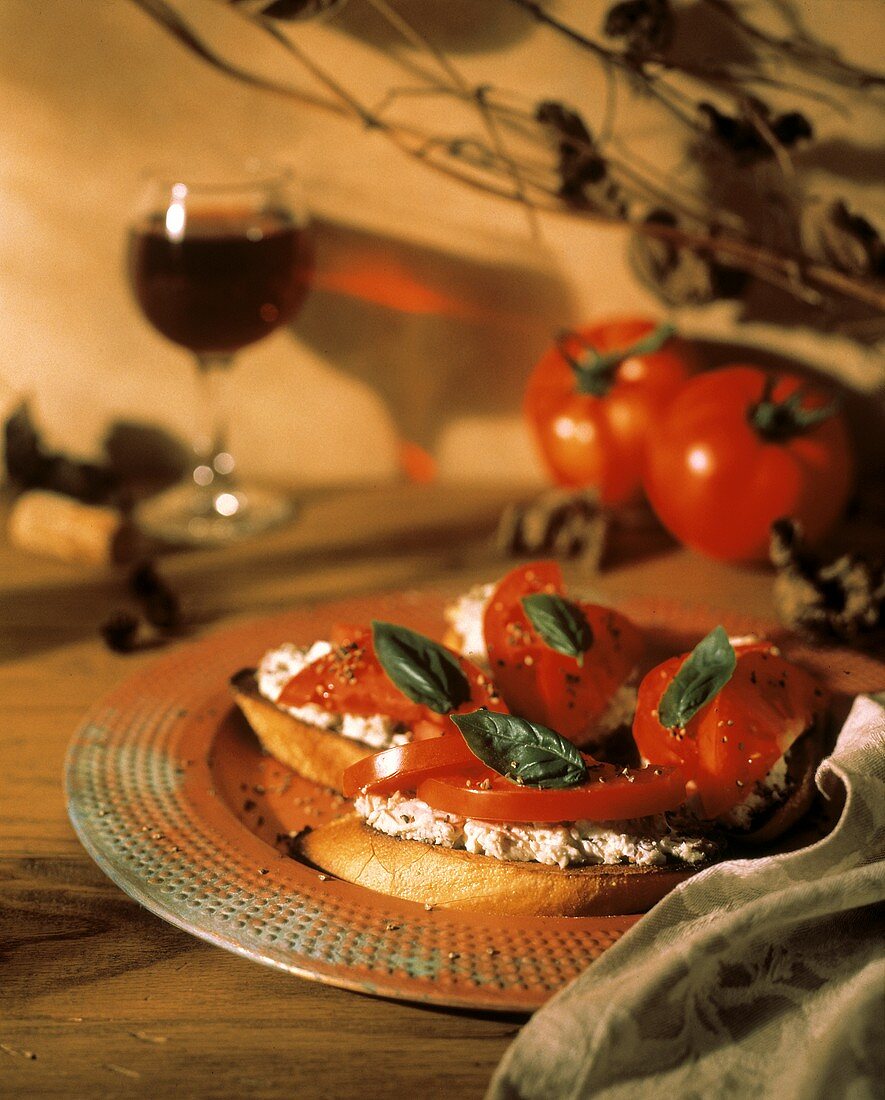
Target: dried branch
x,y
348,102
570,175
169,19
475,95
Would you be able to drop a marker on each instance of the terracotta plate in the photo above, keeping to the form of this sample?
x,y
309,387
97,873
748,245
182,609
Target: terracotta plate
x,y
172,797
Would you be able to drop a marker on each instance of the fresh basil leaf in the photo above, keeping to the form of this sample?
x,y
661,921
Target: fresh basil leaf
x,y
705,671
422,670
524,752
561,624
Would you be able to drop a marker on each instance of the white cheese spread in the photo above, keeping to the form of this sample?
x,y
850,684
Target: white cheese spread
x,y
465,617
771,790
750,639
619,712
277,668
646,842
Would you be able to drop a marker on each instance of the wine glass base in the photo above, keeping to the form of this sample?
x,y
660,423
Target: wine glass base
x,y
194,516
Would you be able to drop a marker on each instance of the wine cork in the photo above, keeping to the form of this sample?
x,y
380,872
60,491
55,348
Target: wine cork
x,y
60,527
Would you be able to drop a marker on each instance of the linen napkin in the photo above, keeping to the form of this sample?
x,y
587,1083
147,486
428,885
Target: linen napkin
x,y
760,978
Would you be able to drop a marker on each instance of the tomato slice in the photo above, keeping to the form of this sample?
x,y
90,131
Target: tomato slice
x,y
505,623
446,774
546,686
343,633
405,766
610,794
738,737
351,680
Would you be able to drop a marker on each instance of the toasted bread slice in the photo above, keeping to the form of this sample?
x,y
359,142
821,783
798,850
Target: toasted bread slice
x,y
450,879
317,754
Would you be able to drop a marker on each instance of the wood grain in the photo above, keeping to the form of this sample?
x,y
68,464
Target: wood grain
x,y
100,998
116,987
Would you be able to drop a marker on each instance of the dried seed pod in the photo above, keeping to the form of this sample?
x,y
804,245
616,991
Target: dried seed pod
x,y
26,461
678,275
583,171
32,466
841,599
120,631
832,233
162,607
745,137
646,26
791,128
558,523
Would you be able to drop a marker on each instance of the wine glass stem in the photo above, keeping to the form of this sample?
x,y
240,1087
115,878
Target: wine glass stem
x,y
214,463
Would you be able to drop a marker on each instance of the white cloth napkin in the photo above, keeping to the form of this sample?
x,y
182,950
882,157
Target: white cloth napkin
x,y
760,978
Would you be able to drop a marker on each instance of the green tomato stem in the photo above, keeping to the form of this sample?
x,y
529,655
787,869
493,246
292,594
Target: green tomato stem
x,y
780,421
595,370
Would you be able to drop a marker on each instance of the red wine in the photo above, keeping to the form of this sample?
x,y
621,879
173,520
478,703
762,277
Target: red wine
x,y
230,280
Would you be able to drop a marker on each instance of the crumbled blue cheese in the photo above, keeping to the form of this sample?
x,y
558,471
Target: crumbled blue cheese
x,y
277,668
646,842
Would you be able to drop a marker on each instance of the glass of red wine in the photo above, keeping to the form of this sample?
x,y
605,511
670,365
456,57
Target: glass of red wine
x,y
216,266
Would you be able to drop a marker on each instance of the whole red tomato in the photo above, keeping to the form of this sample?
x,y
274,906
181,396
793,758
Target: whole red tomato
x,y
739,448
593,397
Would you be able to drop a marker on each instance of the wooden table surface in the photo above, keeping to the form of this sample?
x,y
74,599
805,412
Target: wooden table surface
x,y
99,997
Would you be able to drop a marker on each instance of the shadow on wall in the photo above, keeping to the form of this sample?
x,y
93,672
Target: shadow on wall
x,y
701,32
145,454
452,26
845,158
436,334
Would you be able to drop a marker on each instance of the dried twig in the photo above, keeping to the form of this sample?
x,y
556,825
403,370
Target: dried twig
x,y
476,95
487,165
802,49
170,20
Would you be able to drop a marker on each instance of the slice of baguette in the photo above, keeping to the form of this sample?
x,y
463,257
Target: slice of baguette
x,y
449,879
317,754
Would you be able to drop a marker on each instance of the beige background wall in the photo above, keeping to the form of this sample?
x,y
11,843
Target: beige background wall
x,y
91,91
